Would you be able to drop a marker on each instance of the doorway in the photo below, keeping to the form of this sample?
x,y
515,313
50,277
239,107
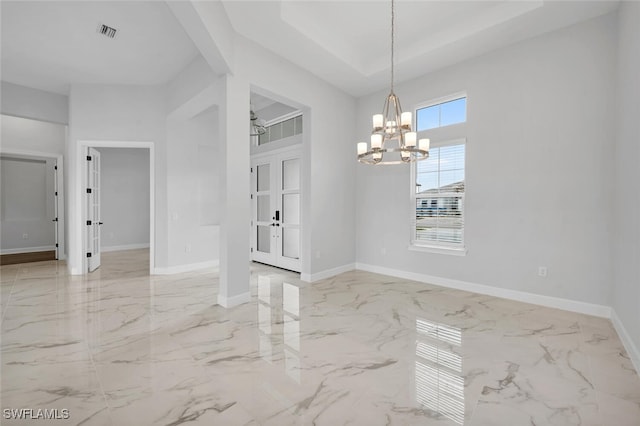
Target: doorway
x,y
92,206
275,224
32,207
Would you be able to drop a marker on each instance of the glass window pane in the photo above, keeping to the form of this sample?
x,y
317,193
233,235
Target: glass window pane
x,y
427,182
275,132
291,209
291,174
287,128
451,181
298,124
453,112
428,118
264,138
263,177
264,208
291,243
264,239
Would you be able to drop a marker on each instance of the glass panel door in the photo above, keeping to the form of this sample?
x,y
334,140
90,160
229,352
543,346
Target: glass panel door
x,y
276,210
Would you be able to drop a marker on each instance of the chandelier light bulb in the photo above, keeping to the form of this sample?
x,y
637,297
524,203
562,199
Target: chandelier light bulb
x,y
410,139
362,148
376,141
423,144
405,120
377,121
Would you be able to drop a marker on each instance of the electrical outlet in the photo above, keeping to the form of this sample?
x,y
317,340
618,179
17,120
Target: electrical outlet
x,y
542,271
25,236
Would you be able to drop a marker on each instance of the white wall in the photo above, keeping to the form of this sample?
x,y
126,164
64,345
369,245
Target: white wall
x,y
31,135
26,102
27,200
328,169
539,169
626,230
124,199
116,113
193,188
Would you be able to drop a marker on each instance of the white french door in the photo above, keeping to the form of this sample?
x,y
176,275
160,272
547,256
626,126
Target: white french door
x,y
275,224
93,209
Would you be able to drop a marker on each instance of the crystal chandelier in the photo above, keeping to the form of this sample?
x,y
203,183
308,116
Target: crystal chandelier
x,y
257,125
392,139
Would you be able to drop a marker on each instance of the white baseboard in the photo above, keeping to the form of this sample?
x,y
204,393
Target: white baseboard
x,y
520,296
229,302
179,269
27,250
124,247
310,278
629,345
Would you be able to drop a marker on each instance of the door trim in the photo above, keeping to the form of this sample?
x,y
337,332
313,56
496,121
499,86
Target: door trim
x,y
81,166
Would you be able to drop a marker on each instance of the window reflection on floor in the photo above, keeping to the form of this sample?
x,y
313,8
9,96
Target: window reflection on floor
x,y
279,315
438,369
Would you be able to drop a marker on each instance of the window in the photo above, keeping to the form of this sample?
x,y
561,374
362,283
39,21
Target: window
x,y
442,114
438,183
281,130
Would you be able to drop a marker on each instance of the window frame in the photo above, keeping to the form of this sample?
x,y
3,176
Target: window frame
x,y
438,101
437,246
448,135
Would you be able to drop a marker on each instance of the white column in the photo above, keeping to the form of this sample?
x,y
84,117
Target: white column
x,y
235,186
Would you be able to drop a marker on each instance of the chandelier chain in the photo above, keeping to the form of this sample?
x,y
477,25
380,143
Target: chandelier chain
x,y
393,18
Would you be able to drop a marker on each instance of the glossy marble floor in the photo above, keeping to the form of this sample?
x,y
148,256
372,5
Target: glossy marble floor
x,y
122,348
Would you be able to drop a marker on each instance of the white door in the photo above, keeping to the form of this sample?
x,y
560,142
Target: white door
x,y
275,224
93,209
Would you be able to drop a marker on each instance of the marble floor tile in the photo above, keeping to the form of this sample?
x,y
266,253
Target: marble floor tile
x,y
120,347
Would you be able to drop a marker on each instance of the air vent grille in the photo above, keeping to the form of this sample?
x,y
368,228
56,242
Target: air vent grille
x,y
107,31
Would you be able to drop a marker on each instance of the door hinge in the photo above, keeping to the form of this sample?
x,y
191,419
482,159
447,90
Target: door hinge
x,y
56,194
88,254
251,249
55,167
56,245
252,170
252,196
55,220
88,190
89,222
88,158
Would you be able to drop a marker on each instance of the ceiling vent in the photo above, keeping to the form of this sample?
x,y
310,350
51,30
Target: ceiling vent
x,y
107,31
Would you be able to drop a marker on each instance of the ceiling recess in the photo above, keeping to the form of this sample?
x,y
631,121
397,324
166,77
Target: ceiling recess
x,y
107,31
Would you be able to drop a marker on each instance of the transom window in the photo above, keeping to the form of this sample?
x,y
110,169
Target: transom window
x,y
442,114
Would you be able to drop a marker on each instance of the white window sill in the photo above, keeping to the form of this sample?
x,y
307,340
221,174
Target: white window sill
x,y
454,251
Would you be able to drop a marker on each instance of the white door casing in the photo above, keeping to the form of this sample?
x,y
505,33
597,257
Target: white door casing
x,y
275,226
93,209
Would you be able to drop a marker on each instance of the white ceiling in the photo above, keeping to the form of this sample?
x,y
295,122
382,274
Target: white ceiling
x,y
49,44
348,42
